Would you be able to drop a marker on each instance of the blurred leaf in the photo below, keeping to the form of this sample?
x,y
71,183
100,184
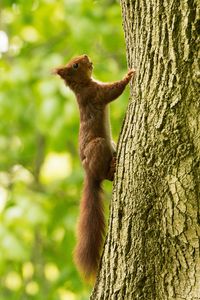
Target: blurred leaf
x,y
40,171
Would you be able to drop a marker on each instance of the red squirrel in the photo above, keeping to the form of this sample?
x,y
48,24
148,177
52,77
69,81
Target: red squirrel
x,y
97,154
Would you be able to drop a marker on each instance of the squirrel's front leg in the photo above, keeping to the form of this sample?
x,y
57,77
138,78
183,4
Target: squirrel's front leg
x,y
110,91
98,159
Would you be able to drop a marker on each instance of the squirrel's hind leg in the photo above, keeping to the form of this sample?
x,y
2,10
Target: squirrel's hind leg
x,y
112,168
98,157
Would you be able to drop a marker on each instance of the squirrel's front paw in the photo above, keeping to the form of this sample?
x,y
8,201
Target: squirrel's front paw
x,y
130,74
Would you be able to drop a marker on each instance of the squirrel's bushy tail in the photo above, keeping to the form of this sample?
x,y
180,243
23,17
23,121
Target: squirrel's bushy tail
x,y
91,229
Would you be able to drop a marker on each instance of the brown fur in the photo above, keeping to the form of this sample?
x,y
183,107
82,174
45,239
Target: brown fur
x,y
97,154
91,228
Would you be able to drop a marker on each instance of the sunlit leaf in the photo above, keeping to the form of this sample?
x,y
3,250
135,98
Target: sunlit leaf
x,y
40,171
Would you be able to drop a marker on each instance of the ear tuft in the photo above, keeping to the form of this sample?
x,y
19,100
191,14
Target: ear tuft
x,y
54,71
60,71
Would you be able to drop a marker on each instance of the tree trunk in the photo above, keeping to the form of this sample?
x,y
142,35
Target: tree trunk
x,y
152,250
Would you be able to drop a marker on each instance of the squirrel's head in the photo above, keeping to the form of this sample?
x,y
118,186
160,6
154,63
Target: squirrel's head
x,y
78,70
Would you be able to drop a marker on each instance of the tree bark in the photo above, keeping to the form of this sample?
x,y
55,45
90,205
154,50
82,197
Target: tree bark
x,y
152,249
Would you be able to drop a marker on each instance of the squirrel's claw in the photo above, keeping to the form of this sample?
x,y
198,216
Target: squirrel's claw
x,y
131,73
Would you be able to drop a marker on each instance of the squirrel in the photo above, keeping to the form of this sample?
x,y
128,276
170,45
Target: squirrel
x,y
97,153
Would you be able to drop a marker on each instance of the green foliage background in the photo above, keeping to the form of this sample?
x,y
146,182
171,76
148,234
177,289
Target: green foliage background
x,y
40,172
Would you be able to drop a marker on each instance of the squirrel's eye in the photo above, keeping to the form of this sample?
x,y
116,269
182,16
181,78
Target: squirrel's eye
x,y
75,66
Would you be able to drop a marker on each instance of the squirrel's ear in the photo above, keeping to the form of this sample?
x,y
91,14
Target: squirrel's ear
x,y
59,71
54,71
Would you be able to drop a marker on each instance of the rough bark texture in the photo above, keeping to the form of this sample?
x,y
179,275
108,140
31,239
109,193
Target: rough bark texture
x,y
152,250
